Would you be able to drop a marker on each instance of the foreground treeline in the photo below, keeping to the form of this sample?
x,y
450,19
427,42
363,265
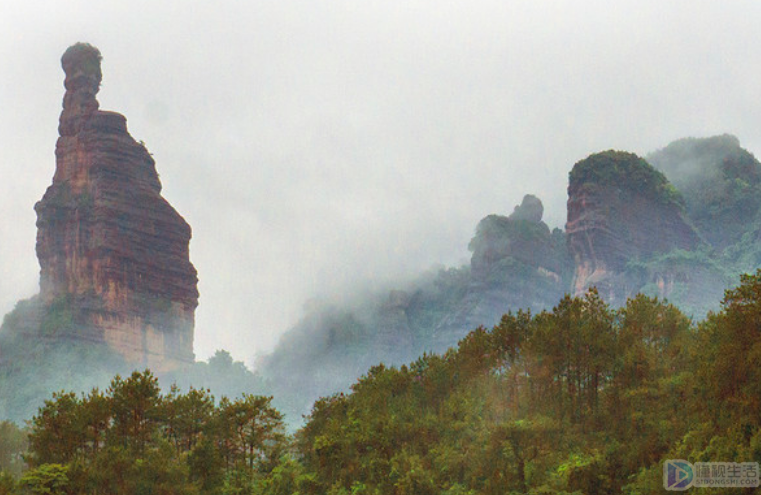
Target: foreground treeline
x,y
133,439
582,399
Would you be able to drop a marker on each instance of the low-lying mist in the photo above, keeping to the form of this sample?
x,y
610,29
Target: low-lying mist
x,y
518,263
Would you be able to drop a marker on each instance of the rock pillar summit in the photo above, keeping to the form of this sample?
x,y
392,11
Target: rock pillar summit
x,y
113,252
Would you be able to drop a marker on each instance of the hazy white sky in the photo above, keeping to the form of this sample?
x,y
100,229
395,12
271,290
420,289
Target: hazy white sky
x,y
317,146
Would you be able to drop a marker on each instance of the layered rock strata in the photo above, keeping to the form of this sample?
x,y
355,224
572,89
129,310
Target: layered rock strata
x,y
113,253
621,210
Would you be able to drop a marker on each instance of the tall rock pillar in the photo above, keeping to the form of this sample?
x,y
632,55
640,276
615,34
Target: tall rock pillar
x,y
113,252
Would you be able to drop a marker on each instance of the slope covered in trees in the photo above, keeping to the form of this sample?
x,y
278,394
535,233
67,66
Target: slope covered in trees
x,y
131,438
719,181
582,398
681,225
517,262
683,233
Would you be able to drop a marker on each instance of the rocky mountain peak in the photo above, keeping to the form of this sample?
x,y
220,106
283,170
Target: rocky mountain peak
x,y
113,253
721,184
621,209
81,63
530,209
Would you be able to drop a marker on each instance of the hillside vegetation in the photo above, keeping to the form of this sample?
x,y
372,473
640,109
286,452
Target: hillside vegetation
x,y
579,399
681,224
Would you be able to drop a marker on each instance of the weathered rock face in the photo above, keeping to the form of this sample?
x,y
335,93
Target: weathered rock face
x,y
628,231
522,237
621,210
517,262
113,253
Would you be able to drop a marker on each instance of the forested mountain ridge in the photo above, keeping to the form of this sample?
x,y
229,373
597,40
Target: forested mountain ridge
x,y
587,395
631,228
654,226
583,398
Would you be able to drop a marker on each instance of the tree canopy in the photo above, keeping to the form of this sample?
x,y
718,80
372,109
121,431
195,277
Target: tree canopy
x,y
582,398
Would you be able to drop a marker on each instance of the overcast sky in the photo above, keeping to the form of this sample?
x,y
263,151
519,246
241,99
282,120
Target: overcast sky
x,y
320,146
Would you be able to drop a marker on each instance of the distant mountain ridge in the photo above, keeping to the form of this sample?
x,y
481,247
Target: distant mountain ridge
x,y
118,290
681,224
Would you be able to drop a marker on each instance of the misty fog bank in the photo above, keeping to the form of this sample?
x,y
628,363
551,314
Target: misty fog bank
x,y
316,147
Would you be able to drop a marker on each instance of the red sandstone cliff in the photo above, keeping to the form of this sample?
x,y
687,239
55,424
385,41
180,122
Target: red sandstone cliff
x,y
112,250
621,210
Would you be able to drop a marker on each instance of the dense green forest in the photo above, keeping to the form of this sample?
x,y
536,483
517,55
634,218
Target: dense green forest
x,y
580,399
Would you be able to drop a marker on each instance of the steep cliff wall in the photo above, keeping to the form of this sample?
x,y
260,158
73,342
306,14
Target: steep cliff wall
x,y
621,210
113,252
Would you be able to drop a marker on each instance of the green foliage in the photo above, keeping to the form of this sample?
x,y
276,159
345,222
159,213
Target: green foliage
x,y
624,170
136,410
186,416
575,400
582,398
251,432
8,484
720,181
46,479
287,478
134,439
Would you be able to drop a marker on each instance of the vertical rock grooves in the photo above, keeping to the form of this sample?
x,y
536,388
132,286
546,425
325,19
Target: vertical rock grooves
x,y
620,209
112,251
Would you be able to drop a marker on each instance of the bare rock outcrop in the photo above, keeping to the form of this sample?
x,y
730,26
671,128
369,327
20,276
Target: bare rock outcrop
x,y
517,262
621,210
113,253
